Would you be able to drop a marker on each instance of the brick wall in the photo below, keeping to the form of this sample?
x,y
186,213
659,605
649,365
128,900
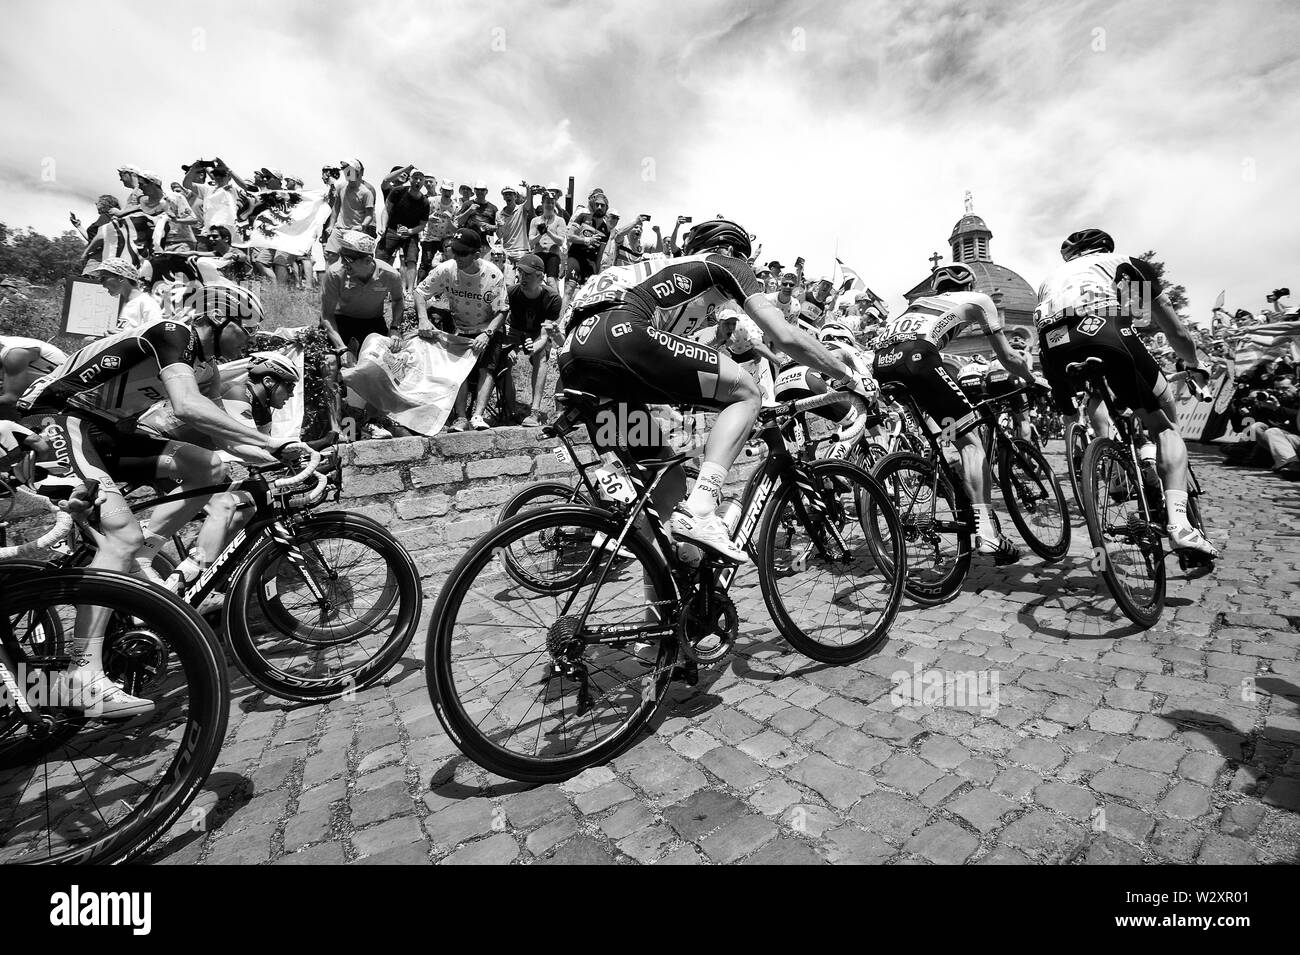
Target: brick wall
x,y
435,494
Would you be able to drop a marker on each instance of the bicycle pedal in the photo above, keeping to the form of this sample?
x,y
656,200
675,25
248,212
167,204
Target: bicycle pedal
x,y
688,673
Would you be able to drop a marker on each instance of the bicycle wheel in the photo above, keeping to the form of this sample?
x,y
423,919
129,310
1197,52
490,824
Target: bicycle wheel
x,y
1076,443
526,685
935,526
1128,550
103,791
831,596
329,616
1034,499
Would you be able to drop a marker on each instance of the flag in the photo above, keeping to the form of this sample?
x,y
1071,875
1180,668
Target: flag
x,y
1272,333
287,220
416,386
851,280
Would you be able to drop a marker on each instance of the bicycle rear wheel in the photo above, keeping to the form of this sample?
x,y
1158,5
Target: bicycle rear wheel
x,y
329,616
525,685
1128,550
936,530
1034,499
103,791
831,594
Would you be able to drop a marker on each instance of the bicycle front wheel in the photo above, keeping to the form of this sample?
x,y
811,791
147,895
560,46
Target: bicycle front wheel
x,y
534,686
77,789
1034,499
1128,550
831,594
328,614
1076,443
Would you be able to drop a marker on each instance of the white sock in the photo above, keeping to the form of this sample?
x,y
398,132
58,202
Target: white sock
x,y
1176,505
707,492
984,522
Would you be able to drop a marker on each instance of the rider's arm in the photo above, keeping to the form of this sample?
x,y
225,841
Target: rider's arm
x,y
792,340
1180,339
192,407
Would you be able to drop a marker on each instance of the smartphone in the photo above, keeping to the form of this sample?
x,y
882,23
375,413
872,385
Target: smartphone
x,y
683,218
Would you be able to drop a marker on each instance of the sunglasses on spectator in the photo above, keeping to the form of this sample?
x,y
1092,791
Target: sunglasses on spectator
x,y
787,285
353,256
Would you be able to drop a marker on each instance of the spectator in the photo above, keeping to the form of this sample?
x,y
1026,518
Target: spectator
x,y
547,236
127,174
534,323
673,247
353,294
407,203
219,200
588,233
556,194
443,212
135,306
354,208
104,205
224,262
626,247
469,295
173,220
512,223
270,264
479,215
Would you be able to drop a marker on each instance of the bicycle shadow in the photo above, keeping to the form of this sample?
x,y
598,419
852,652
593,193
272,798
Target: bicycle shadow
x,y
233,790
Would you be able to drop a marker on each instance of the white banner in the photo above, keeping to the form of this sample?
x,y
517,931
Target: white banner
x,y
416,386
287,220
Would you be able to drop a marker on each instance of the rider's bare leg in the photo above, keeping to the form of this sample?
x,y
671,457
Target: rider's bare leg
x,y
738,390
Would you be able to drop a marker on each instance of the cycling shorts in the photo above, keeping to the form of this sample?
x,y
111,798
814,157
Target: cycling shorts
x,y
796,381
1131,372
999,383
917,365
583,267
618,355
75,449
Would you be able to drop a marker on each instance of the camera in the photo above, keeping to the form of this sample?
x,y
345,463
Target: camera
x,y
683,218
1279,293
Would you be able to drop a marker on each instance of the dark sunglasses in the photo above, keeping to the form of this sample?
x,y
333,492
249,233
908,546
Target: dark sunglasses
x,y
353,256
787,285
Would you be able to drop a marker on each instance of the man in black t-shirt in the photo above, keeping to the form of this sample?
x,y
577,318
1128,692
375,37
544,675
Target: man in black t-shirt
x,y
534,320
408,211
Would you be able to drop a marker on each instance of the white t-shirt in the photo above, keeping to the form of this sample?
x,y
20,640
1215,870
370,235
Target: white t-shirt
x,y
472,299
139,311
219,207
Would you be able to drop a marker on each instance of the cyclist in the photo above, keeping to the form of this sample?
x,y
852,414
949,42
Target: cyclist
x,y
796,381
22,361
621,345
909,353
999,383
1086,308
252,389
972,377
84,412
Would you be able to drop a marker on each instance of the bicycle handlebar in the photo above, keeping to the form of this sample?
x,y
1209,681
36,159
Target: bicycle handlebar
x,y
61,529
1193,385
859,404
313,462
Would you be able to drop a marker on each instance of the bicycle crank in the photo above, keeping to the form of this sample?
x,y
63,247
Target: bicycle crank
x,y
712,614
136,658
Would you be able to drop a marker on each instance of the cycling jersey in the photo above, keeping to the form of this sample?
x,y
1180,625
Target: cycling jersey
x,y
473,298
674,294
42,358
1086,308
1097,286
938,318
119,376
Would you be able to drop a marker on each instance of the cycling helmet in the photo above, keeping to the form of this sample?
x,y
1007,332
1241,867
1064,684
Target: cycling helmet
x,y
274,364
225,303
1084,241
952,278
834,333
715,233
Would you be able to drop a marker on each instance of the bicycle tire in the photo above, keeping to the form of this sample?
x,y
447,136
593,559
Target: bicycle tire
x,y
194,648
453,703
1045,483
1143,612
392,619
867,497
1076,443
939,588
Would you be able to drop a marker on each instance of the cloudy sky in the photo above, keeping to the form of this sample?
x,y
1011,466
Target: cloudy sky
x,y
854,125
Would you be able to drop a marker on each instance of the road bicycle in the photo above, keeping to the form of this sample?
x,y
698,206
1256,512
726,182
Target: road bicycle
x,y
318,604
75,788
1124,505
538,676
937,515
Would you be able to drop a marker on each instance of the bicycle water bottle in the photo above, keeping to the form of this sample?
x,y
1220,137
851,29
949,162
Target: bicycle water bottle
x,y
1150,477
731,511
612,480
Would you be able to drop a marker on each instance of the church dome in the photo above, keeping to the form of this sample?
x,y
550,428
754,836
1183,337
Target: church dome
x,y
969,224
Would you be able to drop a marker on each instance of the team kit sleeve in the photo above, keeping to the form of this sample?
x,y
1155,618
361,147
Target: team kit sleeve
x,y
170,343
733,277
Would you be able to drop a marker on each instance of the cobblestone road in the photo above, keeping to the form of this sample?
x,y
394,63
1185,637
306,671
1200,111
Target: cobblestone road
x,y
1181,744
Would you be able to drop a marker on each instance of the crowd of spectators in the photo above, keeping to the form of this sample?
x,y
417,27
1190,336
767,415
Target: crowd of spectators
x,y
450,262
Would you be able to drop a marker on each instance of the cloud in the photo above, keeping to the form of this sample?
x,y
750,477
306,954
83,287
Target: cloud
x,y
857,126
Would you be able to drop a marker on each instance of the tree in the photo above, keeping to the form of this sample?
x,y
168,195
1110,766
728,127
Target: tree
x,y
1177,293
38,258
